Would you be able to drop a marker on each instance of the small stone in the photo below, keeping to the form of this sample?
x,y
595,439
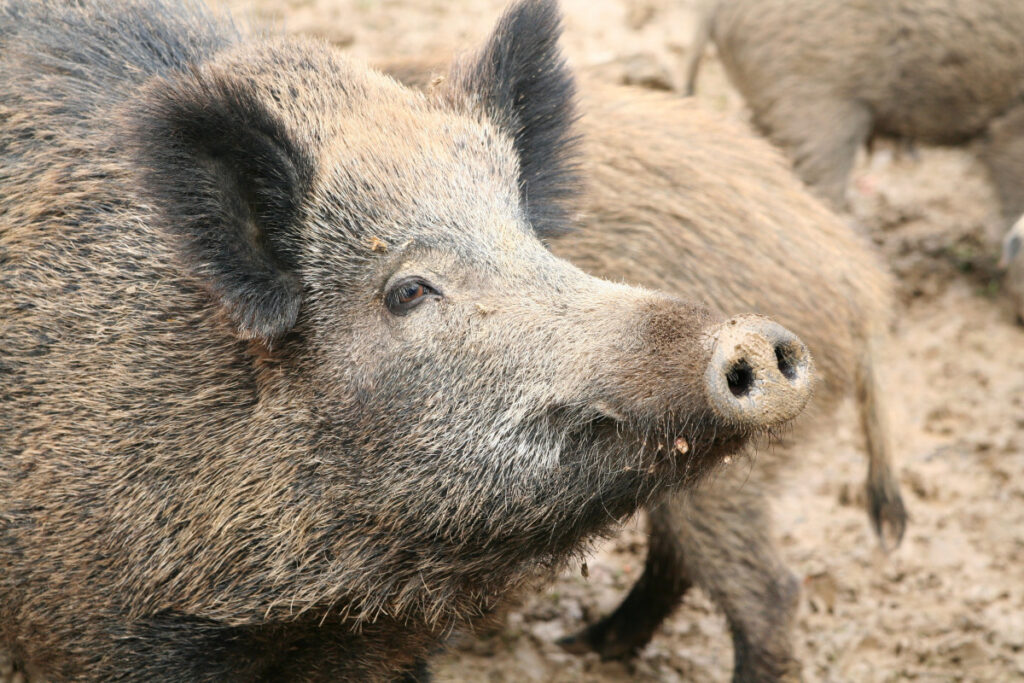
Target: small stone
x,y
966,653
916,483
643,70
822,591
639,15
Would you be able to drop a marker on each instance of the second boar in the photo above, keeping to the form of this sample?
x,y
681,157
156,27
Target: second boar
x,y
822,77
684,202
688,204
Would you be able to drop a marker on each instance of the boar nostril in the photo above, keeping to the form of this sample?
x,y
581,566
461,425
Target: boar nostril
x,y
740,378
759,374
785,356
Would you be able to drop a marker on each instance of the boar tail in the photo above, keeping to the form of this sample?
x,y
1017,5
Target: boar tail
x,y
705,15
884,502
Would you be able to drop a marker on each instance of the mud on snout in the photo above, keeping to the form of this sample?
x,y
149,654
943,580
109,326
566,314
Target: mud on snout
x,y
696,390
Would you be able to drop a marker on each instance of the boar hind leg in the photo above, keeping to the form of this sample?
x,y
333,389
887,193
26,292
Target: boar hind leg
x,y
718,537
729,548
659,590
1002,151
822,137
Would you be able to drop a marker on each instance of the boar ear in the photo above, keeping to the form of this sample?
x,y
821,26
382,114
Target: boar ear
x,y
226,178
521,79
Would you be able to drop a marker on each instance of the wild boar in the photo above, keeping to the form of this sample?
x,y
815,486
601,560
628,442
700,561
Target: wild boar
x,y
289,384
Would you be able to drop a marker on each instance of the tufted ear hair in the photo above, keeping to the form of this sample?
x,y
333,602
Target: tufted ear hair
x,y
227,179
524,85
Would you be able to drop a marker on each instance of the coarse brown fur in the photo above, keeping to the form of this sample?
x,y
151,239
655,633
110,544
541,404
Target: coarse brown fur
x,y
235,442
682,201
822,77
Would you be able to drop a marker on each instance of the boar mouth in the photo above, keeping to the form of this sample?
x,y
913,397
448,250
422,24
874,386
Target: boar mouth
x,y
673,452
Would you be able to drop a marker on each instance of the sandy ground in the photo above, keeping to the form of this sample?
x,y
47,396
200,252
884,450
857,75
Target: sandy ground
x,y
949,604
946,606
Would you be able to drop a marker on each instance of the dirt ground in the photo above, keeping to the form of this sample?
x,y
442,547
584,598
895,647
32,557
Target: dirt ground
x,y
949,604
946,606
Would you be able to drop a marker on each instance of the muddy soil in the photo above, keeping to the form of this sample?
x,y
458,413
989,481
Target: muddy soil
x,y
946,606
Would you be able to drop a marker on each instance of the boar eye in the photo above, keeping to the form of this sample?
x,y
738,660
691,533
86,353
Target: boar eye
x,y
408,294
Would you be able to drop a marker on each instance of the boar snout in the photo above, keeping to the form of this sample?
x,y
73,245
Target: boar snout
x,y
760,373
